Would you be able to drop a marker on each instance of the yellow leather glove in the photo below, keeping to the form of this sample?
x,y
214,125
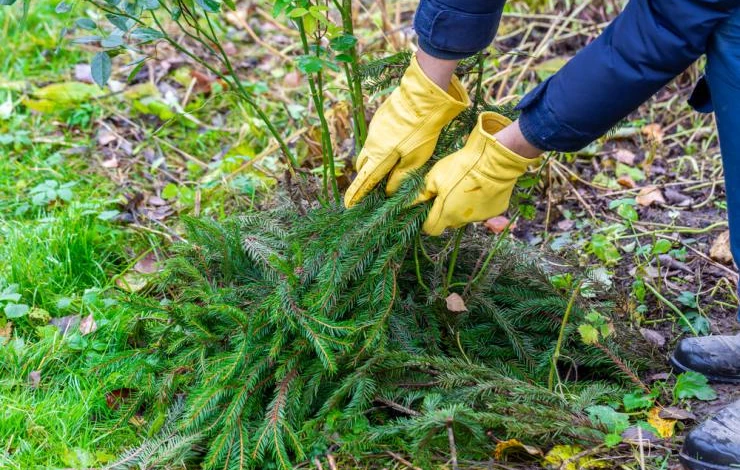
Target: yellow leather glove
x,y
474,183
404,131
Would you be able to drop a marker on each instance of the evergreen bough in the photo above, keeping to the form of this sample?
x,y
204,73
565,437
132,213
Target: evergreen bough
x,y
278,336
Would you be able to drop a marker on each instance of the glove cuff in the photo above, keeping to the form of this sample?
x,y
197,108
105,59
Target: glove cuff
x,y
495,156
427,97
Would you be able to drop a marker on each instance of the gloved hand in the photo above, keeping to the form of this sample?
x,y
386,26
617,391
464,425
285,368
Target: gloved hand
x,y
474,183
404,131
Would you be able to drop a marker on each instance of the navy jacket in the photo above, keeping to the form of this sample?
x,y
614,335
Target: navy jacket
x,y
644,48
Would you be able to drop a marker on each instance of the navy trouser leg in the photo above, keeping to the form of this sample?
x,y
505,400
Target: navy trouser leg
x,y
456,29
723,77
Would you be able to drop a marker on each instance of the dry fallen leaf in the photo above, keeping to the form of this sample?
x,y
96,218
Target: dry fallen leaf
x,y
648,195
566,224
5,332
292,79
653,132
665,427
115,398
673,412
110,163
653,337
34,378
513,445
203,82
106,137
66,324
147,264
720,249
498,224
637,435
88,325
625,156
132,281
626,182
455,303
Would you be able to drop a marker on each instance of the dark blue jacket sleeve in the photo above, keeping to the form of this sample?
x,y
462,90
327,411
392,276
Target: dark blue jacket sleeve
x,y
455,29
644,48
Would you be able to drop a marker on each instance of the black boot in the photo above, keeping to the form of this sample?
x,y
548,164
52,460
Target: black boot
x,y
717,357
715,443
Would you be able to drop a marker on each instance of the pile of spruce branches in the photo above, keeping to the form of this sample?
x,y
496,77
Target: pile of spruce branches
x,y
279,336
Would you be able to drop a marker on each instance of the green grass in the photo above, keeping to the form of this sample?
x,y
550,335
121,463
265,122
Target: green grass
x,y
64,420
62,253
59,255
30,47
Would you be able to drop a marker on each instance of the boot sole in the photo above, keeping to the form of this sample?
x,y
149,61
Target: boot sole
x,y
691,463
719,379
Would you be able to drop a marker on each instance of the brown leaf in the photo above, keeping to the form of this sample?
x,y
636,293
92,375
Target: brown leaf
x,y
648,195
106,137
157,201
637,435
34,379
658,376
292,79
673,412
5,332
88,325
625,156
132,281
115,398
566,224
455,303
626,182
650,272
203,81
66,324
110,163
653,337
147,264
720,249
676,197
498,224
653,132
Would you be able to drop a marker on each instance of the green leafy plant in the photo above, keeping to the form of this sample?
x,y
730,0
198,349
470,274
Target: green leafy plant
x,y
51,191
693,385
10,300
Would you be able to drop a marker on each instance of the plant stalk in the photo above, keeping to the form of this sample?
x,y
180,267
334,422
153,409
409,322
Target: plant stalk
x,y
561,337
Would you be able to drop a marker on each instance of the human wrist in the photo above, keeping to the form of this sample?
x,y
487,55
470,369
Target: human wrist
x,y
439,71
513,139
